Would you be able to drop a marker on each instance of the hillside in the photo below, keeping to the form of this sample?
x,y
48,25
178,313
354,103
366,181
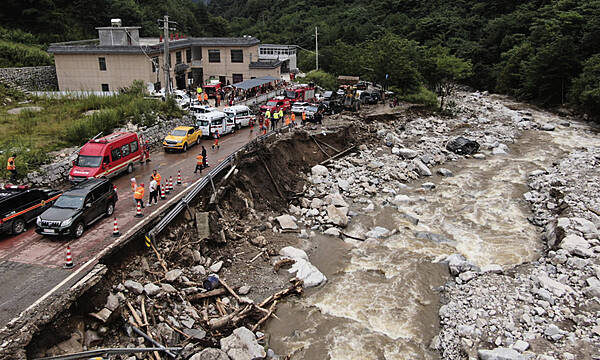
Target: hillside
x,y
535,50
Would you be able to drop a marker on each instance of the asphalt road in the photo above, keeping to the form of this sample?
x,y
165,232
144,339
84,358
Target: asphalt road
x,y
31,265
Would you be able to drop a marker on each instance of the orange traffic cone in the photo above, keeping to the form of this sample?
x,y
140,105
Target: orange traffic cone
x,y
139,211
116,229
178,177
162,193
69,263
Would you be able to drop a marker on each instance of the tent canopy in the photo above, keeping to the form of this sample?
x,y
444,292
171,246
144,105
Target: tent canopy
x,y
249,84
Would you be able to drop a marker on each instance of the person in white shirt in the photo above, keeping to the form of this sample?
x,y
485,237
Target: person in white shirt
x,y
153,191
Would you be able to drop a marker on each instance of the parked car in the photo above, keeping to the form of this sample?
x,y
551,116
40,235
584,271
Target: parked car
x,y
312,109
78,208
197,109
299,107
241,114
181,138
210,122
106,157
275,105
20,205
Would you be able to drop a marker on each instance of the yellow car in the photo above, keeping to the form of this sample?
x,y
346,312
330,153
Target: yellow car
x,y
181,138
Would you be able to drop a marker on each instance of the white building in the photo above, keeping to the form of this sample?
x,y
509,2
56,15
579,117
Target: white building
x,y
283,53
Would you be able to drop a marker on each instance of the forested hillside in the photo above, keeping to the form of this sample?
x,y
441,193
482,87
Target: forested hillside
x,y
545,50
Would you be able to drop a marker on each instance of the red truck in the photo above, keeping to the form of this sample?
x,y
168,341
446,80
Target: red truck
x,y
212,89
276,104
300,93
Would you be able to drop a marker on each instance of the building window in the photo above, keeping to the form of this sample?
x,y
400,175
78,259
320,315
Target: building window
x,y
188,56
178,57
102,63
155,64
237,56
105,87
238,78
214,56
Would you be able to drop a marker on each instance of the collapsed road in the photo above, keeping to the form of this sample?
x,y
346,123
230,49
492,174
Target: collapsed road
x,y
443,262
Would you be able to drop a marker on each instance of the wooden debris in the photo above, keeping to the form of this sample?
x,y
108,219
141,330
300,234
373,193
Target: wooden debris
x,y
266,317
204,295
233,293
283,262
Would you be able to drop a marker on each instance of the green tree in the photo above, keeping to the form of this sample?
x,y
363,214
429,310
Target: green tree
x,y
443,72
585,92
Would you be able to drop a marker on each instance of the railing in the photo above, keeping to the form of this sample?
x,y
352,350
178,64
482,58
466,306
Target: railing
x,y
189,197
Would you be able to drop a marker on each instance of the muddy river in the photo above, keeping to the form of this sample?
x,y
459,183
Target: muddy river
x,y
380,301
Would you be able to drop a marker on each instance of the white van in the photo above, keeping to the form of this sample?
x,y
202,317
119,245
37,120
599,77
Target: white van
x,y
241,114
196,109
213,121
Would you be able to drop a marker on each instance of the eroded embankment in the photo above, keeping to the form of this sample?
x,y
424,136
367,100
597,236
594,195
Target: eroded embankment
x,y
240,247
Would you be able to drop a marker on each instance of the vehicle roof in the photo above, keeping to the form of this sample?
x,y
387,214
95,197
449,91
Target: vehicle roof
x,y
236,108
211,115
96,147
300,103
85,186
183,128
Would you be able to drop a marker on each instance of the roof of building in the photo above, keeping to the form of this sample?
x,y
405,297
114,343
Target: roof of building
x,y
278,45
92,46
249,84
264,64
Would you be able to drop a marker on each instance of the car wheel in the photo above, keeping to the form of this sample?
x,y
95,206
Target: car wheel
x,y
78,230
184,147
198,140
129,168
110,209
18,226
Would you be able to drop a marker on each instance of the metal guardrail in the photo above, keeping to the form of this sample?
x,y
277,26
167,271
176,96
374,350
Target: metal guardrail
x,y
189,197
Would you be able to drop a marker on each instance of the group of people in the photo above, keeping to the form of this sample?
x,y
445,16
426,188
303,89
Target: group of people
x,y
153,188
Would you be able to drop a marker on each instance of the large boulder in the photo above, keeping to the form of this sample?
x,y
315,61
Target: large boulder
x,y
576,245
319,170
462,146
422,169
500,354
337,215
242,345
302,267
286,222
553,286
458,264
210,354
336,199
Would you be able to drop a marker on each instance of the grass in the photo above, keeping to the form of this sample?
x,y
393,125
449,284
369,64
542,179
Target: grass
x,y
62,123
422,96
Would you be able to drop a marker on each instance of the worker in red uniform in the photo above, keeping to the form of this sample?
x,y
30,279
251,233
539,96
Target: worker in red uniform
x,y
216,144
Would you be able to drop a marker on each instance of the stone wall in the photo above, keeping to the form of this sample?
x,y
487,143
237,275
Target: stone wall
x,y
33,78
56,174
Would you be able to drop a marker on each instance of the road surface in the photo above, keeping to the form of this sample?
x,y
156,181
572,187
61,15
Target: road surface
x,y
31,265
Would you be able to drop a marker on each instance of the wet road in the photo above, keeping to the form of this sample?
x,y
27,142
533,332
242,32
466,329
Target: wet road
x,y
31,265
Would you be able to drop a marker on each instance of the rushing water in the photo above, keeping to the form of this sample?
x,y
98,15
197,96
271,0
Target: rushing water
x,y
380,301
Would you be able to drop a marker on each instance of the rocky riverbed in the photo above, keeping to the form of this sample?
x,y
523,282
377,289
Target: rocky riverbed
x,y
428,230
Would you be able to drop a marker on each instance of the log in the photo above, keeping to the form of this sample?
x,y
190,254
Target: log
x,y
232,318
233,293
338,155
283,262
204,295
329,146
352,237
320,148
296,287
267,316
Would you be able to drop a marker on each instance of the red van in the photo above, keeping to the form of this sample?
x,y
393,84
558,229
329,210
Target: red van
x,y
106,157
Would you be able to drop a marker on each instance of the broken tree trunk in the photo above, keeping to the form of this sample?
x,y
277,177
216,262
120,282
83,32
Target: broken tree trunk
x,y
204,295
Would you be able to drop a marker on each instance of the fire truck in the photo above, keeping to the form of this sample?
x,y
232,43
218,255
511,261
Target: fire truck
x,y
300,93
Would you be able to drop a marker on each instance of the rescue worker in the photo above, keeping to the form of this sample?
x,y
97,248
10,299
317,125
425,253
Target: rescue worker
x,y
293,120
138,195
268,114
12,168
303,117
147,150
275,119
204,162
287,120
266,127
199,163
133,186
205,98
216,144
280,117
153,191
156,176
217,100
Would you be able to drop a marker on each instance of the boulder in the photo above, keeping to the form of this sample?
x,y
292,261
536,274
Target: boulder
x,y
293,253
307,272
492,268
210,354
520,346
444,172
168,288
462,146
319,170
500,354
422,169
558,289
216,267
287,222
332,232
501,149
407,153
336,199
151,289
576,245
134,286
173,275
316,203
428,185
112,302
242,345
337,216
458,264
378,232
547,127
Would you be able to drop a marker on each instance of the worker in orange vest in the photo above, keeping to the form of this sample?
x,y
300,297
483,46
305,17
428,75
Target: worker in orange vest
x,y
293,119
205,98
156,176
287,120
12,168
199,163
303,117
138,195
216,144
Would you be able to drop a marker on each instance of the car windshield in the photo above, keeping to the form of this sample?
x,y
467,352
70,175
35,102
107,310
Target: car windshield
x,y
178,132
217,121
89,161
69,202
327,94
272,103
312,108
202,123
290,94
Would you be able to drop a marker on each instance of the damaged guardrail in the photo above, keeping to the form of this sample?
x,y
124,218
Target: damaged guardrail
x,y
208,178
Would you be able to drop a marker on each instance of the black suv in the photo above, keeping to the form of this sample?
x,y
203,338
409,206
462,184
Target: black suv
x,y
78,208
20,205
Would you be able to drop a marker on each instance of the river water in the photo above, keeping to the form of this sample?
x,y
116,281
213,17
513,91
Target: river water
x,y
381,301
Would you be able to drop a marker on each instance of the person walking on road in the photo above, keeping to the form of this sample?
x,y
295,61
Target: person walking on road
x,y
280,117
275,119
216,144
204,161
293,120
205,102
199,163
303,117
156,176
138,195
133,186
287,120
12,168
153,191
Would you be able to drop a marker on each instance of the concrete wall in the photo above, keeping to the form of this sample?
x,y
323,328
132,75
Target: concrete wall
x,y
30,78
226,67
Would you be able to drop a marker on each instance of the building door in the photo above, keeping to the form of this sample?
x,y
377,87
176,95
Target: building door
x,y
222,79
238,78
198,76
180,81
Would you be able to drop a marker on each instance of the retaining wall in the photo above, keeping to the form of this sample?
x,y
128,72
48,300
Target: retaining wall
x,y
30,78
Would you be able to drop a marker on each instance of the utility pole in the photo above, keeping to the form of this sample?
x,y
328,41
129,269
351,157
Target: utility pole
x,y
167,55
316,48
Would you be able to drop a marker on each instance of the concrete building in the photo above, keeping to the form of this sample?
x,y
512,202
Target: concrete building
x,y
284,53
119,56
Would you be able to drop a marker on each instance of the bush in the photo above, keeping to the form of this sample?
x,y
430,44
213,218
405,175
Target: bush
x,y
18,55
422,96
325,80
